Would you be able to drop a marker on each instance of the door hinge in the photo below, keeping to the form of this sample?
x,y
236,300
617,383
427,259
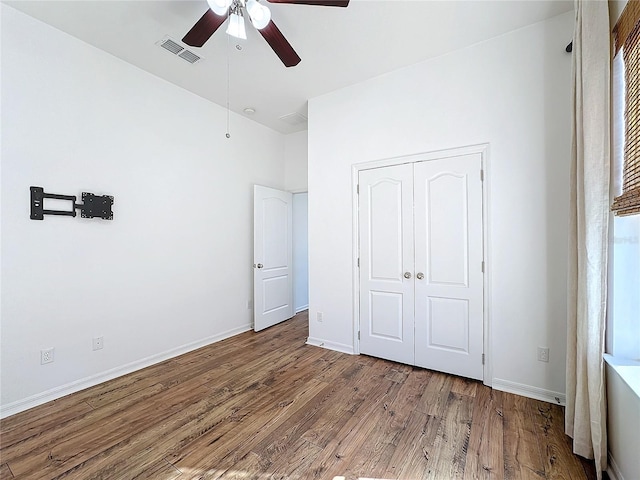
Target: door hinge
x,y
358,334
483,266
358,262
358,189
483,358
482,175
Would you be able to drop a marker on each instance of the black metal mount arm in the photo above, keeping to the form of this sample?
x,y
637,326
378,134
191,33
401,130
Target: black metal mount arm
x,y
92,206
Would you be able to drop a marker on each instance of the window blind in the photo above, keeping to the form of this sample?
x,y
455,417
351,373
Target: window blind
x,y
627,36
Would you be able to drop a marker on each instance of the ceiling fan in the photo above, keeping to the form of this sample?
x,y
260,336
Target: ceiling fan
x,y
260,17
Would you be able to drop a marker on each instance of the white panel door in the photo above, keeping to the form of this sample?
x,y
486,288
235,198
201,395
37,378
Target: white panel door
x,y
272,250
448,261
386,253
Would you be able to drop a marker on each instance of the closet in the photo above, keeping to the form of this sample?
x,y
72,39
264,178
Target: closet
x,y
420,235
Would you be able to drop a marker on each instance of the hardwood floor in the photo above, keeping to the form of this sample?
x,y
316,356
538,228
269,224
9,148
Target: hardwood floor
x,y
267,406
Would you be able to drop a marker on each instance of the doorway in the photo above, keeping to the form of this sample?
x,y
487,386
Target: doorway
x,y
280,269
300,252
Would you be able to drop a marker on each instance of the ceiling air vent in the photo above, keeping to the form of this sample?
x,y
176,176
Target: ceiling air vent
x,y
294,118
174,47
170,45
189,56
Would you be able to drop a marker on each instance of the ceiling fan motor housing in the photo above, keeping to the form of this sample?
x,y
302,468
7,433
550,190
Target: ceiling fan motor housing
x,y
260,16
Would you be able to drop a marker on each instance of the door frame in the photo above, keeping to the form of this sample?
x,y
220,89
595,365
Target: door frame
x,y
483,150
295,310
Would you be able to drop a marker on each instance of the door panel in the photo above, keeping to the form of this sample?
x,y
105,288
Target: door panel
x,y
446,221
449,326
386,229
276,293
272,246
386,315
275,212
449,300
386,252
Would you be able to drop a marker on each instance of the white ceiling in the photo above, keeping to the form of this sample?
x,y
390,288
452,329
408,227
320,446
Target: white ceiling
x,y
338,46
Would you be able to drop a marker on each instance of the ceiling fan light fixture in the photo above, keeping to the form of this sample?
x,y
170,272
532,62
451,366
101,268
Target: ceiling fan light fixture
x,y
260,15
219,7
236,26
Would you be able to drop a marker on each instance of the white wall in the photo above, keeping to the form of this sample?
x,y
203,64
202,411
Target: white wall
x,y
512,92
300,252
623,422
296,158
172,271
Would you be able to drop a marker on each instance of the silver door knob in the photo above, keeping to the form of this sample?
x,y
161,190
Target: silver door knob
x,y
260,265
420,276
407,275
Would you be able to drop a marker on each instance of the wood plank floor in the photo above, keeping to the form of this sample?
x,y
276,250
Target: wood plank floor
x,y
267,406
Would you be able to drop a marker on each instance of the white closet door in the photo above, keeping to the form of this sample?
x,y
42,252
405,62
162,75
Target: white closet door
x,y
449,297
386,253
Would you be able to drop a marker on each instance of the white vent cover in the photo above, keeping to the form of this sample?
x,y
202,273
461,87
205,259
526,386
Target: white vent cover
x,y
294,118
173,46
189,56
170,45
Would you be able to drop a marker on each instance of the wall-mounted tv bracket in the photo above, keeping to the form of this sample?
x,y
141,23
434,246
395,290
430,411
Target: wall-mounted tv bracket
x,y
92,206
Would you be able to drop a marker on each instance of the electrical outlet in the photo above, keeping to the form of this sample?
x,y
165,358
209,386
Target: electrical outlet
x,y
543,354
319,316
46,355
98,343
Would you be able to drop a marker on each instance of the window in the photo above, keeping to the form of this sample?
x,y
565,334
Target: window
x,y
627,37
623,328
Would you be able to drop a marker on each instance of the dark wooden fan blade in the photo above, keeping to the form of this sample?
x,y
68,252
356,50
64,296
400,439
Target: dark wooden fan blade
x,y
280,45
321,3
203,29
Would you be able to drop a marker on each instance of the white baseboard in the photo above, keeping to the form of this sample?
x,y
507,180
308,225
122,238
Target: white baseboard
x,y
302,308
75,386
529,391
338,347
613,470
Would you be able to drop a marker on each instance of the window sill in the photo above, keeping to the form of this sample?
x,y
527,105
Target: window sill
x,y
629,371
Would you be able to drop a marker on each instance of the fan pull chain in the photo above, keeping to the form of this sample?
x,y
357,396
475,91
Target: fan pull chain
x,y
228,135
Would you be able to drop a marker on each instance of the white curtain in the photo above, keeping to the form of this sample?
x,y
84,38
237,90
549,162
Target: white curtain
x,y
585,415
